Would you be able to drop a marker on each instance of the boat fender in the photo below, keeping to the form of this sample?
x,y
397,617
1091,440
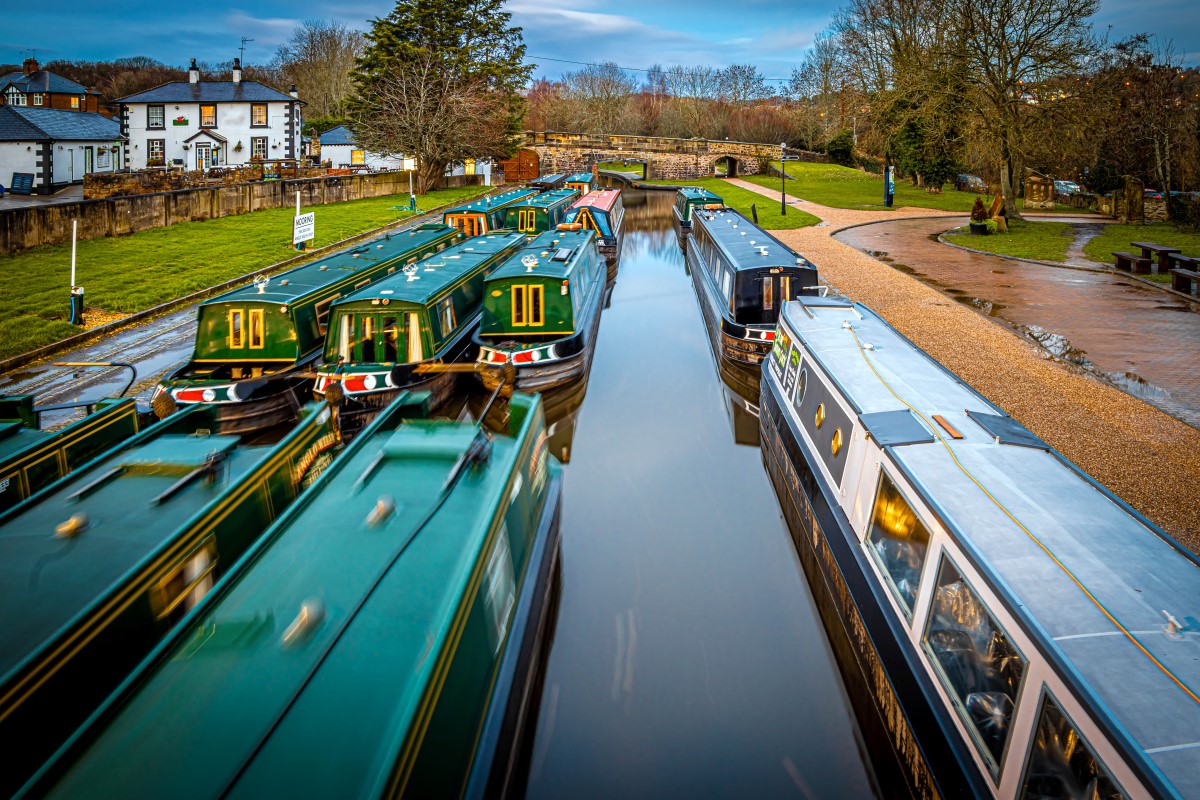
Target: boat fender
x,y
164,405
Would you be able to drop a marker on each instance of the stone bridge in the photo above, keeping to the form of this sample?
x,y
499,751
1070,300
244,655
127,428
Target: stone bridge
x,y
664,159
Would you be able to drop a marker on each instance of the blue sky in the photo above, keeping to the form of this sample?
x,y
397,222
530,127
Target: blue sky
x,y
772,34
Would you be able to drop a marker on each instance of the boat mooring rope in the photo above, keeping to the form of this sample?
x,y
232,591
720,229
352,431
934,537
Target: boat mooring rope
x,y
1066,570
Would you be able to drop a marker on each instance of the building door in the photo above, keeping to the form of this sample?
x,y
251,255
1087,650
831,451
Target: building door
x,y
88,165
203,156
524,167
71,164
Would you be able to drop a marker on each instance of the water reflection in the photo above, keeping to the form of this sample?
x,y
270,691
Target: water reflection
x,y
689,660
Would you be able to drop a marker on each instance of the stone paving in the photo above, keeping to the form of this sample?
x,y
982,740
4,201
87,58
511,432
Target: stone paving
x,y
1145,456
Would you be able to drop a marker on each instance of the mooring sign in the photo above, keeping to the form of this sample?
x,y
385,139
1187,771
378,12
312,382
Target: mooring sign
x,y
304,229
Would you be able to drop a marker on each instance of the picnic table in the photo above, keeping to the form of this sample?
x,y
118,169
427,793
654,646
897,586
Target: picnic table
x,y
1150,250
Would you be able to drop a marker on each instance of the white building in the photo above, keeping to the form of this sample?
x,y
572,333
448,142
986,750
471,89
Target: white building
x,y
201,124
54,146
340,149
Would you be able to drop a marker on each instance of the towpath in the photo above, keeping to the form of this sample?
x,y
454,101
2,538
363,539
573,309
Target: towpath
x,y
1142,454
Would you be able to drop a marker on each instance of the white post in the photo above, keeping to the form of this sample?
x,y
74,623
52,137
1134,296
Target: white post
x,y
74,230
297,202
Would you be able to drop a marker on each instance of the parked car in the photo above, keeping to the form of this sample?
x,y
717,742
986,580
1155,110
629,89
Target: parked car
x,y
1067,187
1152,194
970,183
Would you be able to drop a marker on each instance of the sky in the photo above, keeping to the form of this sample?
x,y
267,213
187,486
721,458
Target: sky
x,y
771,34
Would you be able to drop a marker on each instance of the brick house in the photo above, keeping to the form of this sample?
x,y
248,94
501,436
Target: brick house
x,y
200,124
56,146
34,87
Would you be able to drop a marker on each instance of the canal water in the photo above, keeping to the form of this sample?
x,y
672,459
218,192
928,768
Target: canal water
x,y
689,660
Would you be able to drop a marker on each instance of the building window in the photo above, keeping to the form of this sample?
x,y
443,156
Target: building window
x,y
75,103
976,662
15,97
208,116
154,151
358,156
258,115
258,147
469,167
156,117
37,99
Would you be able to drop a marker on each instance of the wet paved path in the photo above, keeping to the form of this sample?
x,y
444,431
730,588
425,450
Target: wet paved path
x,y
1131,447
1140,339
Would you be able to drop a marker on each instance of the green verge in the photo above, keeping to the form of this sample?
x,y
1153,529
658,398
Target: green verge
x,y
1118,238
132,273
617,166
842,187
1043,241
741,199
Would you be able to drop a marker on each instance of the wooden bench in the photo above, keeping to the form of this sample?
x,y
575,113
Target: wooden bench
x,y
1185,262
1185,280
1132,263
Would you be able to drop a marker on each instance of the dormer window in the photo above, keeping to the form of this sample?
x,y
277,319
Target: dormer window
x,y
14,97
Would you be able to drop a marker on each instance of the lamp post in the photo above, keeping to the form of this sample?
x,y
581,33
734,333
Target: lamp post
x,y
782,180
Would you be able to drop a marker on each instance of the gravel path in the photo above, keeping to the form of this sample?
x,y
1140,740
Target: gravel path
x,y
1144,456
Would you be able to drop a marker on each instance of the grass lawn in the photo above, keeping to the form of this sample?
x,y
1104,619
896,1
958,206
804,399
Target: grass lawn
x,y
1118,238
131,273
1045,241
617,166
841,187
740,199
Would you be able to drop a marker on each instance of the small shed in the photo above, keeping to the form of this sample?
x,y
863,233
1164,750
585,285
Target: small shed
x,y
57,147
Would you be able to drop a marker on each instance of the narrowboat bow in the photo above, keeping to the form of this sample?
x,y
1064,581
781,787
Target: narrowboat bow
x,y
255,344
602,212
97,567
541,311
384,639
742,275
997,614
486,214
426,314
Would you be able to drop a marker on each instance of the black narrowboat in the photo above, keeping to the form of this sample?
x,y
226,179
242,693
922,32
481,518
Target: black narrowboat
x,y
548,183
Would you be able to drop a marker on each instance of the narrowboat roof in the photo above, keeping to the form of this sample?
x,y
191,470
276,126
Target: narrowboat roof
x,y
602,200
747,245
1133,568
697,193
435,274
235,697
547,199
129,511
544,249
494,202
556,177
16,436
581,177
287,287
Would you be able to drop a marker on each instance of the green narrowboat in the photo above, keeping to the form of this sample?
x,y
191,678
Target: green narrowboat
x,y
689,198
602,212
97,567
384,639
548,183
254,344
32,458
582,182
380,334
541,311
541,212
485,214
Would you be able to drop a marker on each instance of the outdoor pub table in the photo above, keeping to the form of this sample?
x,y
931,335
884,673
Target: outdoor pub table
x,y
1149,250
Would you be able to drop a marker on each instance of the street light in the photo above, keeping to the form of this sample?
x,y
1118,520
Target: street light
x,y
782,180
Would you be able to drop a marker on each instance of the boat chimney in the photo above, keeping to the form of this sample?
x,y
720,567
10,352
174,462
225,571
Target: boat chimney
x,y
237,70
193,73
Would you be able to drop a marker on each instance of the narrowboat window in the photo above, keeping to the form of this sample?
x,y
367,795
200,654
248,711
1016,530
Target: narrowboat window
x,y
726,282
361,284
441,247
257,332
768,293
976,662
236,334
415,353
536,305
518,305
321,309
898,540
801,388
185,586
367,339
391,339
446,315
785,288
1061,764
345,338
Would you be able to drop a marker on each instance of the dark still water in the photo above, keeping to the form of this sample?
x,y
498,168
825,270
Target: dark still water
x,y
689,660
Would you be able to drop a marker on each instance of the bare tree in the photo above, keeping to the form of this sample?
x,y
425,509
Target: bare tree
x,y
318,59
742,84
601,93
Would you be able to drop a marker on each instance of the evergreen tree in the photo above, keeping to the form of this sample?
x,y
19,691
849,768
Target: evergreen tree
x,y
440,80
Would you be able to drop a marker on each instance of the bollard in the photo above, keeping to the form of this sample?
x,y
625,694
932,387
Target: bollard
x,y
77,305
754,211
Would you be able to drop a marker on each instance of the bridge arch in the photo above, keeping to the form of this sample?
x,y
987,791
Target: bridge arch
x,y
727,166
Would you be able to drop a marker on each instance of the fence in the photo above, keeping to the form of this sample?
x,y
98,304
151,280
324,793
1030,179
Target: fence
x,y
31,226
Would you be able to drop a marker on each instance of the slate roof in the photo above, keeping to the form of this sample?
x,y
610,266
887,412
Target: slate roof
x,y
339,135
209,92
42,81
23,124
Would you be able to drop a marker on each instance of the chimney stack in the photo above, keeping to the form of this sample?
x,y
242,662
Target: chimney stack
x,y
193,73
29,66
237,70
292,91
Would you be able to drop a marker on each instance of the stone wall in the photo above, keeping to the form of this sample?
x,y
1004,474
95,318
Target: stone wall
x,y
31,226
97,185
